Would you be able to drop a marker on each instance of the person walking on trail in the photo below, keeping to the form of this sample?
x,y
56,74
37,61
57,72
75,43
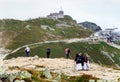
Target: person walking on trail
x,y
27,50
67,51
86,62
79,59
48,52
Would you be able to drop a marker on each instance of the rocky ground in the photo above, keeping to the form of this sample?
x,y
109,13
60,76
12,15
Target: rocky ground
x,y
60,65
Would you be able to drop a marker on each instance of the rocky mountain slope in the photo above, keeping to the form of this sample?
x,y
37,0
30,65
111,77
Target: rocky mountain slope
x,y
89,25
61,65
14,33
17,33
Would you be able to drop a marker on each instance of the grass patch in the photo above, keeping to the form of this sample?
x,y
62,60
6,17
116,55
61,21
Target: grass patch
x,y
83,78
29,31
58,51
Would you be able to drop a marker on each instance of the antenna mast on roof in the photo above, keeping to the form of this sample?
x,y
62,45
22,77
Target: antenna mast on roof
x,y
60,8
60,5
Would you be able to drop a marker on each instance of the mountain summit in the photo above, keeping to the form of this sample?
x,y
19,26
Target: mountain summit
x,y
89,25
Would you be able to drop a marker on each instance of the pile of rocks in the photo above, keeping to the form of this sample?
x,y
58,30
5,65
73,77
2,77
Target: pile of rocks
x,y
13,77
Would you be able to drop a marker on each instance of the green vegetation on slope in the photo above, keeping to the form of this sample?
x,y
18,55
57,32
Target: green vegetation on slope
x,y
58,51
31,31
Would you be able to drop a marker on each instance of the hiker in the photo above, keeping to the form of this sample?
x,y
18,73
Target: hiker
x,y
27,50
76,56
48,52
86,62
67,51
79,59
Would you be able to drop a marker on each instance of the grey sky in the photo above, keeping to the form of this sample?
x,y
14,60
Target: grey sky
x,y
104,13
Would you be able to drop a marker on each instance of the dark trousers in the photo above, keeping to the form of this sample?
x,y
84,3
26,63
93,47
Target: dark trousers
x,y
48,54
82,63
67,55
27,53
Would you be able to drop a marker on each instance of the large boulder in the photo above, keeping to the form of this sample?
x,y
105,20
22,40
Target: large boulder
x,y
3,74
47,74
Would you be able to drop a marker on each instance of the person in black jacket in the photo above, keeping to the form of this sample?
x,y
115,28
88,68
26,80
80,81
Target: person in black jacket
x,y
76,58
79,59
48,52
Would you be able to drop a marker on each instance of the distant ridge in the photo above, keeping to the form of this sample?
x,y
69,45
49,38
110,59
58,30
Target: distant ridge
x,y
90,25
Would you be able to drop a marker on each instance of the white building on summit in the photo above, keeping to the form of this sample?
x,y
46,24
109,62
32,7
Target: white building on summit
x,y
56,15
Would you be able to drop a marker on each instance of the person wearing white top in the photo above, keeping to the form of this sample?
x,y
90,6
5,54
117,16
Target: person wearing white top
x,y
27,50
